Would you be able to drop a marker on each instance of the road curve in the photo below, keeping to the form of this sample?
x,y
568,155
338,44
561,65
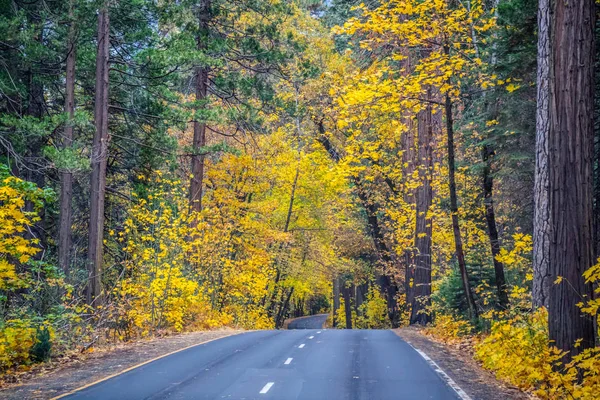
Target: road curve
x,y
283,365
311,322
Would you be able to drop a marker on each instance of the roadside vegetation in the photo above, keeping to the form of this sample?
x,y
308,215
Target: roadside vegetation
x,y
180,166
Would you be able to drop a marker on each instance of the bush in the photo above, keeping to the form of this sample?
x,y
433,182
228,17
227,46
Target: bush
x,y
449,328
17,338
373,312
42,348
518,351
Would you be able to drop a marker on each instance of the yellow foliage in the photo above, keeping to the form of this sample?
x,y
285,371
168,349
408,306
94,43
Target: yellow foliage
x,y
519,352
14,246
592,275
171,277
373,312
449,328
17,337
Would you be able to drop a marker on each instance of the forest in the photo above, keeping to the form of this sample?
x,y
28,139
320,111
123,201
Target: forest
x,y
174,166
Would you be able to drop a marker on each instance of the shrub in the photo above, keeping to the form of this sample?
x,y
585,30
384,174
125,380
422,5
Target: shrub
x,y
449,328
373,312
518,351
17,338
42,348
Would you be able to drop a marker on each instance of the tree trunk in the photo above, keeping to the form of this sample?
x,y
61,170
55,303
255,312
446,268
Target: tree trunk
x,y
336,300
99,158
490,217
570,142
199,141
66,177
541,216
283,309
347,305
454,210
292,196
420,297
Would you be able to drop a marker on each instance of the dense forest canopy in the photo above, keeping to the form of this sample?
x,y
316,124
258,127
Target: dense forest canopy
x,y
175,166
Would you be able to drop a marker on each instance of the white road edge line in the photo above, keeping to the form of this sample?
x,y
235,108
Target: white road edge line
x,y
266,388
301,346
449,381
289,360
311,337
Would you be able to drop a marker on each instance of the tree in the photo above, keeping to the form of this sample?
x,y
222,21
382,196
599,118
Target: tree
x,y
490,217
199,141
451,65
66,176
99,159
570,178
428,129
460,254
541,217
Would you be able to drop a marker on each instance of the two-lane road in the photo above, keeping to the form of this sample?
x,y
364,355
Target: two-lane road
x,y
311,322
310,364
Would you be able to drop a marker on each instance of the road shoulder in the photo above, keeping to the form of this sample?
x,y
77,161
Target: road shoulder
x,y
478,383
63,376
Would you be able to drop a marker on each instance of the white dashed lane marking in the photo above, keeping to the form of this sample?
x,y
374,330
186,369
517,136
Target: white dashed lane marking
x,y
289,360
301,346
266,388
311,337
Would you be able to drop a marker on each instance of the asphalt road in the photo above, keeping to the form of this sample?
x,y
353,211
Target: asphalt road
x,y
312,322
284,365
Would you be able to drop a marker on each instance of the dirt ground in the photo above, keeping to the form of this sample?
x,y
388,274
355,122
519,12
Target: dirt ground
x,y
64,375
458,363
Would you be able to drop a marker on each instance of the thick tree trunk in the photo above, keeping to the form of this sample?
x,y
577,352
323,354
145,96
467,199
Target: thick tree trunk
x,y
570,142
490,217
541,217
420,297
66,177
460,255
199,141
99,159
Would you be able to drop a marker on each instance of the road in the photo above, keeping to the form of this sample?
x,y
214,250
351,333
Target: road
x,y
312,322
308,364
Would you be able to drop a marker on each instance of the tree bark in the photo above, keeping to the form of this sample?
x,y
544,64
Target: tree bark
x,y
347,305
460,255
420,293
490,217
99,159
570,144
541,215
66,177
199,141
336,300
